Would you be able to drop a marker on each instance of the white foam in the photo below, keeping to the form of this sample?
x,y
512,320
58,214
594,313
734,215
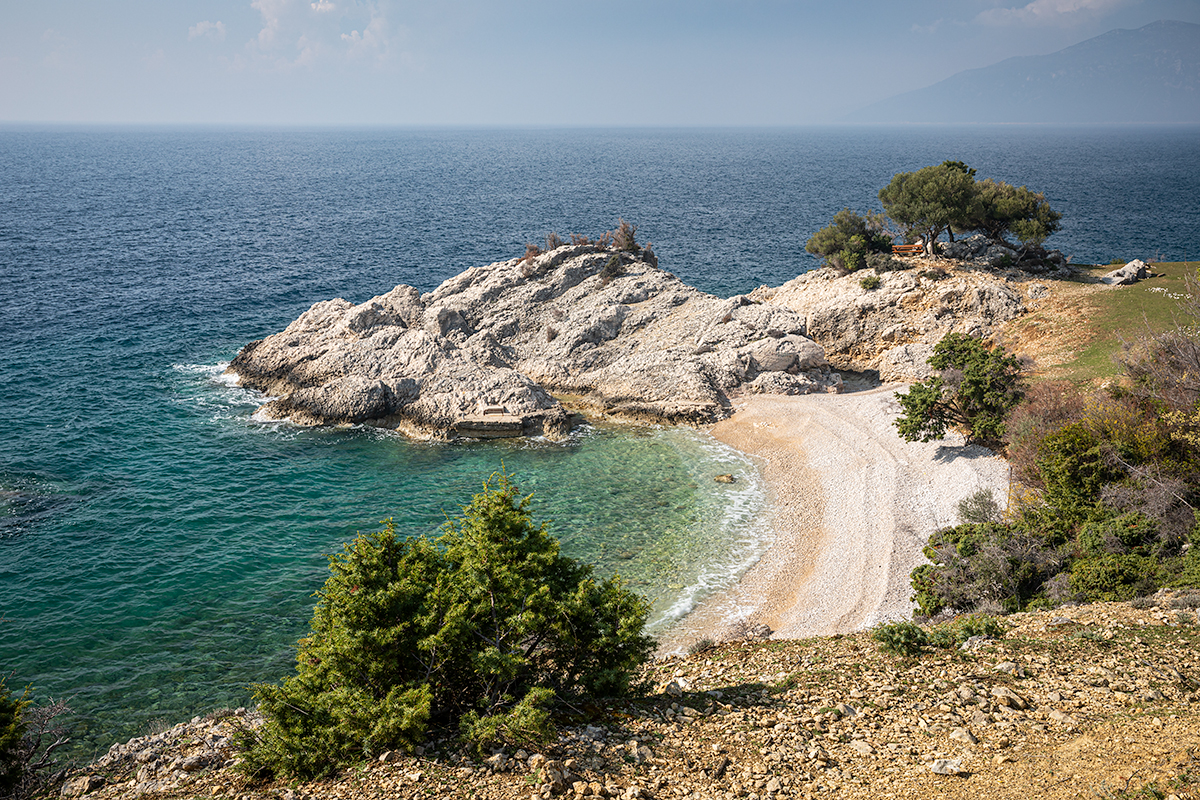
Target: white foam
x,y
733,514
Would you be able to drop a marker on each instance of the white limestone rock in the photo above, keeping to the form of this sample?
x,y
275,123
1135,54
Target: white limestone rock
x,y
501,338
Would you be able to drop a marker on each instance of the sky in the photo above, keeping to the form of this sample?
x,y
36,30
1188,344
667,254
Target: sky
x,y
526,63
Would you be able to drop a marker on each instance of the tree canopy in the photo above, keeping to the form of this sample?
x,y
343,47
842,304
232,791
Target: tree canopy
x,y
930,201
975,388
947,198
847,240
483,629
1001,208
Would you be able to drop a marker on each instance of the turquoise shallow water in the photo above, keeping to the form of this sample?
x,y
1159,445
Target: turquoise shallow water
x,y
210,585
159,549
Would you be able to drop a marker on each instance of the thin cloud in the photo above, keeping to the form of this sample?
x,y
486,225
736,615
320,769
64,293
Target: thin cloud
x,y
212,30
305,34
371,41
1048,12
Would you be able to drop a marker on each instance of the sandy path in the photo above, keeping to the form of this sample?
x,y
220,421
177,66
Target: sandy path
x,y
851,507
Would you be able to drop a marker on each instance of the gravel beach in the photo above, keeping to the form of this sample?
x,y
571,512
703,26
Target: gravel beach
x,y
851,506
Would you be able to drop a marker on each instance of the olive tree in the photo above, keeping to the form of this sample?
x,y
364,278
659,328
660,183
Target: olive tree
x,y
1002,208
931,200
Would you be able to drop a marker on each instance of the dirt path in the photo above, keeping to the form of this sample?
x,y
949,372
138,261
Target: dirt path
x,y
851,507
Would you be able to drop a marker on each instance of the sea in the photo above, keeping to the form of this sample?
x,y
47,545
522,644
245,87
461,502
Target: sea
x,y
159,548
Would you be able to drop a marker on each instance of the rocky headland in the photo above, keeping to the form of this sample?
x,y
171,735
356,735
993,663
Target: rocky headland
x,y
516,347
490,351
890,327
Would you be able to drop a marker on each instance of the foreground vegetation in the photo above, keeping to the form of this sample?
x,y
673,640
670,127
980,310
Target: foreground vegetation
x,y
482,632
1085,701
1109,484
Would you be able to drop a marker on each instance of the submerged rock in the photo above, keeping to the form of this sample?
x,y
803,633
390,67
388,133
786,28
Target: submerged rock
x,y
481,355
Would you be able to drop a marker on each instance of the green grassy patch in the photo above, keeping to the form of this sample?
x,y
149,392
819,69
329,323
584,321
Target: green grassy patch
x,y
1125,314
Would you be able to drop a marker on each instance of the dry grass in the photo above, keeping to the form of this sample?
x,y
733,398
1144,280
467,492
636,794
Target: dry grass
x,y
1076,332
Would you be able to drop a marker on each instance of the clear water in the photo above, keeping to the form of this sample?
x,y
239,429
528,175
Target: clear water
x,y
158,549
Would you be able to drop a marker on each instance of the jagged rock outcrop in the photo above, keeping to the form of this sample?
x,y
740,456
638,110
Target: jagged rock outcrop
x,y
892,328
480,355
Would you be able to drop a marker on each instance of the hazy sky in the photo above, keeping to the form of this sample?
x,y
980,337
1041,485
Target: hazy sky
x,y
513,62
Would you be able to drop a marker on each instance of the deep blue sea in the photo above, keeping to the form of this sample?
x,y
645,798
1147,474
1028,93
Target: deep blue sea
x,y
159,549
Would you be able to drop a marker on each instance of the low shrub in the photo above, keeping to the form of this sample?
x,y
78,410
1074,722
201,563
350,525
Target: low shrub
x,y
953,633
553,241
979,508
988,562
1111,577
1185,601
1127,533
869,282
613,269
481,631
849,260
901,638
885,262
622,237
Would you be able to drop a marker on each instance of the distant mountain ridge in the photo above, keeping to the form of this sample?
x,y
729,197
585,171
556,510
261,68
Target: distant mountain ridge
x,y
1151,74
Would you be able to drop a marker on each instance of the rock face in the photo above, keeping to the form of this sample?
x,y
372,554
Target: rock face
x,y
1132,272
893,328
480,355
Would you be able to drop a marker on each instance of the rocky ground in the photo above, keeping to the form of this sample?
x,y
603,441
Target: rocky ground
x,y
891,327
1087,701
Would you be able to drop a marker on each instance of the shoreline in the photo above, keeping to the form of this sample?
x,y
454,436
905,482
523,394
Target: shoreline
x,y
850,505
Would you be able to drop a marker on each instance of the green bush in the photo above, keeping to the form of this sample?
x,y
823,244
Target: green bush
x,y
850,239
849,259
1073,469
1113,577
901,638
977,385
1127,533
479,631
1007,564
613,269
953,633
869,282
12,733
